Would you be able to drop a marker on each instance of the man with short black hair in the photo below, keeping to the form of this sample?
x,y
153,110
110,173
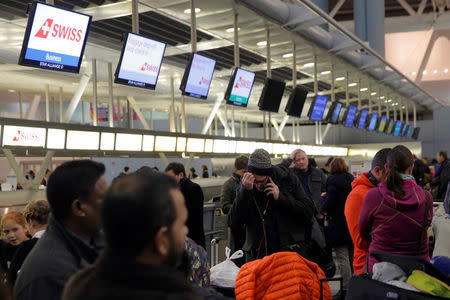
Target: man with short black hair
x,y
353,205
143,217
72,240
193,196
442,176
126,170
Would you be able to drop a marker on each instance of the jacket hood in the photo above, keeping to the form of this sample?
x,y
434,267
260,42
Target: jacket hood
x,y
362,180
411,199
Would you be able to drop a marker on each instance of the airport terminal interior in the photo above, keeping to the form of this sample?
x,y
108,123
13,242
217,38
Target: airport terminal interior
x,y
312,133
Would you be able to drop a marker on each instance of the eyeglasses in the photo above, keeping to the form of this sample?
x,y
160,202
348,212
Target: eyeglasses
x,y
261,183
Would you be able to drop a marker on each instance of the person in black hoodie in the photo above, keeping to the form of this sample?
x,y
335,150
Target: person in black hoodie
x,y
193,196
338,236
143,218
36,213
442,177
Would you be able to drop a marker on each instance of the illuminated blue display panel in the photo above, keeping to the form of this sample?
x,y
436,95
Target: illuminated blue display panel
x,y
398,128
383,123
362,119
373,122
318,108
351,115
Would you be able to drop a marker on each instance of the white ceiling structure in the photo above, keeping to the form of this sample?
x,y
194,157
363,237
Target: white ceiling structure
x,y
215,18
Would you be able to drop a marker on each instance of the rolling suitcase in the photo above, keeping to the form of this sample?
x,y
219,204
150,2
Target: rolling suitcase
x,y
365,288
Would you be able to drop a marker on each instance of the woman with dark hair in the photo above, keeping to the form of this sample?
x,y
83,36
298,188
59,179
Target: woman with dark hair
x,y
395,215
205,173
339,185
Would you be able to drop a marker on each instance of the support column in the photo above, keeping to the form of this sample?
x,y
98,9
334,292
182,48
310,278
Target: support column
x,y
407,112
135,16
369,23
84,80
414,115
119,113
20,106
172,107
47,103
60,105
183,115
94,86
193,27
111,97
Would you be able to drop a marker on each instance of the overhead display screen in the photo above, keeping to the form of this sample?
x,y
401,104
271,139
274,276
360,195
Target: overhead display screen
x,y
416,132
362,119
140,62
318,108
373,122
350,116
54,39
410,131
197,76
391,126
240,87
398,128
382,126
404,129
334,112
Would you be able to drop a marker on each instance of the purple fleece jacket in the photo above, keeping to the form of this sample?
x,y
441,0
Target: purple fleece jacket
x,y
395,225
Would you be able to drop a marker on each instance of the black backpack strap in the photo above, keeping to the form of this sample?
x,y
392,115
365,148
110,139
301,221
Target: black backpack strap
x,y
425,217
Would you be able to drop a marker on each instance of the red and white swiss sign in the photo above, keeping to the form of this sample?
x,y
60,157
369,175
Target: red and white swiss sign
x,y
24,136
58,30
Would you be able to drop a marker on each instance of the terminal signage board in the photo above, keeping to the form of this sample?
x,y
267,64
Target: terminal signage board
x,y
350,116
382,126
362,119
23,136
54,39
373,122
140,62
197,76
398,128
239,91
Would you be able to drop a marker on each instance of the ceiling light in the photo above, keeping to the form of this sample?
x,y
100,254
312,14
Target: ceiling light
x,y
382,97
288,55
403,107
188,11
414,73
231,29
12,91
340,78
390,100
373,93
363,89
325,72
308,65
435,72
396,103
385,101
424,72
446,71
353,84
262,43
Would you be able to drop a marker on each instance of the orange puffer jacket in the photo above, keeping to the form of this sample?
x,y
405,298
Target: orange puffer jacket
x,y
283,275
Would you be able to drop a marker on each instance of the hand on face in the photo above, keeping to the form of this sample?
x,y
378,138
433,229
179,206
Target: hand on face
x,y
247,180
272,189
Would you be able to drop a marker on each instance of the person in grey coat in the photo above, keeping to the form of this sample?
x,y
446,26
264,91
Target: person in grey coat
x,y
72,240
232,184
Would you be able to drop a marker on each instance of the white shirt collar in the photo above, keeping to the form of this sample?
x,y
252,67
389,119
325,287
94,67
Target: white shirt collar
x,y
38,234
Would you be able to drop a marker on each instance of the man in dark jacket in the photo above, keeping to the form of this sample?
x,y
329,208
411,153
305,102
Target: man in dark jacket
x,y
419,171
442,177
231,185
193,196
143,217
273,208
72,240
313,179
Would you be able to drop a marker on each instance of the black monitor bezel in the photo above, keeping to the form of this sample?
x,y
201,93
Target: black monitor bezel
x,y
230,87
32,63
331,112
125,82
186,76
264,91
416,133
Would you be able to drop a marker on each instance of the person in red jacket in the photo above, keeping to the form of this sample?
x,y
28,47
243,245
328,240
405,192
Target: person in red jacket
x,y
360,187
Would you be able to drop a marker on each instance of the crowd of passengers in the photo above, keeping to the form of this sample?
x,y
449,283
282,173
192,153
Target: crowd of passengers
x,y
142,236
